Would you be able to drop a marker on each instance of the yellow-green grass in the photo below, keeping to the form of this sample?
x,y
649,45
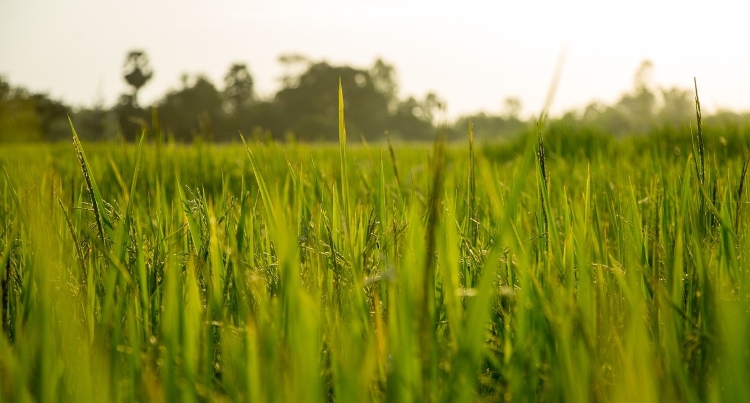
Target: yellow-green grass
x,y
593,271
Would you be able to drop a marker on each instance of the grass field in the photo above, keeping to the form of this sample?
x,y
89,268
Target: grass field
x,y
579,268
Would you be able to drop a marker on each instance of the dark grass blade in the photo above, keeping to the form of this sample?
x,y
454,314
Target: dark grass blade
x,y
740,189
427,333
14,196
79,250
193,226
473,225
103,222
394,164
700,157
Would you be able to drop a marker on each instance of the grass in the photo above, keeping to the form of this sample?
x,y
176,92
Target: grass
x,y
554,268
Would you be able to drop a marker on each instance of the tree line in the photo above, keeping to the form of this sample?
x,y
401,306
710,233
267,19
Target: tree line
x,y
305,108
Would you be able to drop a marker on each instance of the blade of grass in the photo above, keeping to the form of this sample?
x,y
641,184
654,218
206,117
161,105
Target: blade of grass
x,y
103,222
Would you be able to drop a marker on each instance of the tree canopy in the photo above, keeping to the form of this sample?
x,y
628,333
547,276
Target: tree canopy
x,y
137,72
306,108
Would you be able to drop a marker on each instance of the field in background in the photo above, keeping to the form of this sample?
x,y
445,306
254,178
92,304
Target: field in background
x,y
583,269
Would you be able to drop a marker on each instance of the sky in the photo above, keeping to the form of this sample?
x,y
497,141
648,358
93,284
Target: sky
x,y
473,54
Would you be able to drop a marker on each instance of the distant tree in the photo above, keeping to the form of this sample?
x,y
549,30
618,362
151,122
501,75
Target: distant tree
x,y
238,88
96,124
637,109
644,76
5,90
384,78
25,116
413,119
130,120
512,108
18,119
137,72
677,106
634,113
192,111
294,65
430,107
53,117
406,124
310,103
488,127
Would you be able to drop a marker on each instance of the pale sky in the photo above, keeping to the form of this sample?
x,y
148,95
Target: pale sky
x,y
473,54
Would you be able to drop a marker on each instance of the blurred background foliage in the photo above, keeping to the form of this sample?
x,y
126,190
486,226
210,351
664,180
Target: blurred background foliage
x,y
304,109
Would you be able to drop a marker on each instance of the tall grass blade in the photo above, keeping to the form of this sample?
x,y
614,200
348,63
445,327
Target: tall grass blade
x,y
103,222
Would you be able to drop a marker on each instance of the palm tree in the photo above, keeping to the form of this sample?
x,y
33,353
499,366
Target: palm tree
x,y
137,72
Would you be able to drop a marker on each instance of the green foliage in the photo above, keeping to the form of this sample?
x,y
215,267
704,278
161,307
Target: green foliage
x,y
304,109
238,88
641,110
311,105
190,112
25,116
489,127
562,266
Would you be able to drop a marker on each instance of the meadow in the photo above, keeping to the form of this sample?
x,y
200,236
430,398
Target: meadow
x,y
560,266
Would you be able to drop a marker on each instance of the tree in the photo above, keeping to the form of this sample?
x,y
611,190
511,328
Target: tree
x,y
639,106
634,113
677,106
643,78
488,127
512,108
294,65
130,119
384,78
238,88
409,121
26,116
310,103
430,107
137,72
18,119
53,117
193,110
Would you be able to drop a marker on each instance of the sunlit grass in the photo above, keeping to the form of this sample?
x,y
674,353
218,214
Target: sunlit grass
x,y
573,268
